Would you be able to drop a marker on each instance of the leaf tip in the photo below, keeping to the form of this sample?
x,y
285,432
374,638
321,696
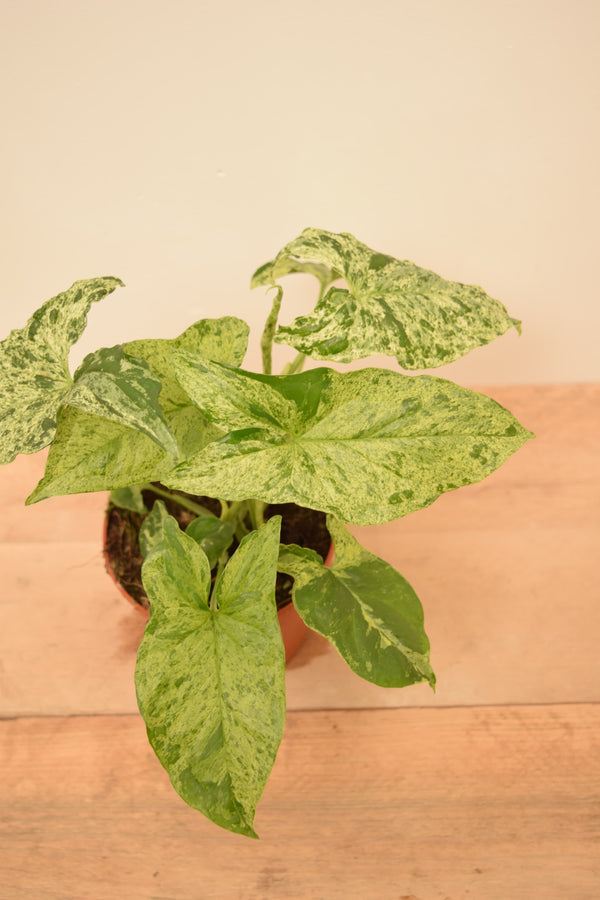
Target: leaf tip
x,y
263,275
36,495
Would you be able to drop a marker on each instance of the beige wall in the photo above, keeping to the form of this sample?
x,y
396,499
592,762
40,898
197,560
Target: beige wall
x,y
178,145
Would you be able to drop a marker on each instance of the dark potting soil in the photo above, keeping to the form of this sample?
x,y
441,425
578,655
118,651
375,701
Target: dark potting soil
x,y
305,527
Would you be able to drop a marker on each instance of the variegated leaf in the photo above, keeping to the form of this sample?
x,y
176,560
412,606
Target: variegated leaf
x,y
129,498
212,535
364,607
223,340
210,675
268,273
34,367
151,529
111,384
90,454
391,307
247,402
367,446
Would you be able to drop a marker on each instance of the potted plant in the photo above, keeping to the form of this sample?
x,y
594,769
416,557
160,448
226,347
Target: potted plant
x,y
154,417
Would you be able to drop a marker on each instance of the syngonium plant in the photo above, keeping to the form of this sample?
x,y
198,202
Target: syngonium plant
x,y
365,446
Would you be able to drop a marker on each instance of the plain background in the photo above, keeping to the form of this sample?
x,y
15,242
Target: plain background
x,y
180,145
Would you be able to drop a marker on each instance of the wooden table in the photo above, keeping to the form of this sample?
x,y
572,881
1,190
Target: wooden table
x,y
489,788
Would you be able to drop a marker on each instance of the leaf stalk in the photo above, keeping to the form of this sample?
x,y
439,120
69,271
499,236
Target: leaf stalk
x,y
266,341
184,502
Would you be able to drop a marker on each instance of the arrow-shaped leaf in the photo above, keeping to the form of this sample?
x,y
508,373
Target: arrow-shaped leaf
x,y
94,454
210,674
34,367
222,340
151,529
368,446
363,606
129,498
268,273
90,453
111,384
391,306
212,535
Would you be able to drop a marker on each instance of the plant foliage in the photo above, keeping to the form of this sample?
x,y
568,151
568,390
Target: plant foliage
x,y
365,446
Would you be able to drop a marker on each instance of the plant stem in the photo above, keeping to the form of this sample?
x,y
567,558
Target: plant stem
x,y
177,498
266,341
295,365
256,508
233,510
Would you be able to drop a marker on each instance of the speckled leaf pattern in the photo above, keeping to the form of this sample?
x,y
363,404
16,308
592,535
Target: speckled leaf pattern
x,y
367,446
129,498
113,385
267,274
391,307
151,529
365,608
235,399
92,454
224,340
211,681
212,535
34,367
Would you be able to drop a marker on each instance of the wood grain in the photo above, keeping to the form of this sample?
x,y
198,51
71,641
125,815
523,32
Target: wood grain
x,y
415,803
452,799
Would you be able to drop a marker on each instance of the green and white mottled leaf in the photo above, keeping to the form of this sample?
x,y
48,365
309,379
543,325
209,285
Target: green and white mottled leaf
x,y
268,273
111,384
249,401
367,446
212,535
90,453
34,367
224,340
210,676
361,604
94,454
151,530
129,498
392,307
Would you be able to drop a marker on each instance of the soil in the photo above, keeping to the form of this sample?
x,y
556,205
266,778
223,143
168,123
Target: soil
x,y
305,527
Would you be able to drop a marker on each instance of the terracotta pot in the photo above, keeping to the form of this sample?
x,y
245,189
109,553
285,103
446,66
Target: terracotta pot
x,y
293,628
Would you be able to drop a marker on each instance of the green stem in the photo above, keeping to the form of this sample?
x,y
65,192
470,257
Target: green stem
x,y
256,509
177,498
295,365
266,341
233,510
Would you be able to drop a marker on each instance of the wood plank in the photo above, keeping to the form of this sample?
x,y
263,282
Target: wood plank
x,y
57,519
492,803
506,570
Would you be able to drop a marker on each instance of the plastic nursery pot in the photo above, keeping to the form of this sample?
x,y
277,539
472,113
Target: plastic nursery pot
x,y
293,628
